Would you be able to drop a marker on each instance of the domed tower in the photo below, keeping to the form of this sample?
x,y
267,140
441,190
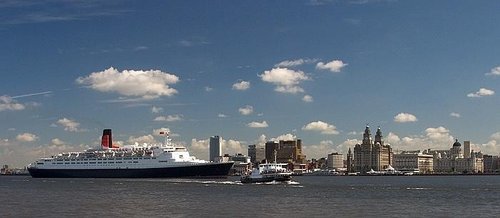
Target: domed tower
x,y
456,150
367,136
378,137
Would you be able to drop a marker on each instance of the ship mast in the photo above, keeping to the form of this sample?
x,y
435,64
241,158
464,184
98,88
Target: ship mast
x,y
167,140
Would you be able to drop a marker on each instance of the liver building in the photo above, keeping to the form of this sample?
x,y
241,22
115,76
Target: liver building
x,y
372,154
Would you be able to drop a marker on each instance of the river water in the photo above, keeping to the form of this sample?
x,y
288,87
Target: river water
x,y
307,196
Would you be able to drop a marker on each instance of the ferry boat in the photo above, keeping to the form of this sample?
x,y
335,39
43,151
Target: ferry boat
x,y
268,172
131,161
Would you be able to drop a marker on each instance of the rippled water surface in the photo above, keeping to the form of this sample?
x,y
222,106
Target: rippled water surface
x,y
334,196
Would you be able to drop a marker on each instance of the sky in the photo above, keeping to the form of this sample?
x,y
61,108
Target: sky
x,y
425,72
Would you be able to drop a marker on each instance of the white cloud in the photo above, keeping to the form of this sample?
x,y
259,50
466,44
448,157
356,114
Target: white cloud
x,y
491,147
286,80
9,104
156,110
69,125
495,136
285,137
434,138
392,138
148,139
333,66
294,63
208,89
247,110
454,114
57,141
169,118
324,148
199,148
255,124
494,72
307,98
405,118
349,143
232,146
26,137
482,92
439,133
140,48
242,85
146,84
221,115
19,153
320,126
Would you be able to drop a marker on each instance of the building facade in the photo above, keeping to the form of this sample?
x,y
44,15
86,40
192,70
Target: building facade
x,y
491,164
257,153
454,161
285,151
335,161
215,147
372,154
414,161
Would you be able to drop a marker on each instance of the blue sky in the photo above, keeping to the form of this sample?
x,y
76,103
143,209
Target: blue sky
x,y
426,72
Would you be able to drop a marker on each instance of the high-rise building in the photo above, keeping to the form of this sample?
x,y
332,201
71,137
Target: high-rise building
x,y
286,151
335,161
271,150
257,153
372,154
467,149
215,147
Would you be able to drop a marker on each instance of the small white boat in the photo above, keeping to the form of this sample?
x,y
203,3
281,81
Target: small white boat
x,y
268,172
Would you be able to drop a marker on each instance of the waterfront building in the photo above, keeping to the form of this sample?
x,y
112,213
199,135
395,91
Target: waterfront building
x,y
287,151
453,161
257,153
335,161
314,163
271,148
413,161
491,164
241,164
372,154
215,147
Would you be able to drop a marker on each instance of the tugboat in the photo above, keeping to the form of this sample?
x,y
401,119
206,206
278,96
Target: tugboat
x,y
268,172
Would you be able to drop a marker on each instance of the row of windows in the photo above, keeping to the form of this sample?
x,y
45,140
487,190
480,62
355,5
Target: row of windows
x,y
135,158
111,162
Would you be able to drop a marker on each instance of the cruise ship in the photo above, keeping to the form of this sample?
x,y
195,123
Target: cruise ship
x,y
131,161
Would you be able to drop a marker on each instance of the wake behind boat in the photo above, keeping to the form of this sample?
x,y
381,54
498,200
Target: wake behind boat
x,y
131,161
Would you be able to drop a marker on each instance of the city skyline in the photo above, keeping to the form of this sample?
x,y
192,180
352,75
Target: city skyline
x,y
425,72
